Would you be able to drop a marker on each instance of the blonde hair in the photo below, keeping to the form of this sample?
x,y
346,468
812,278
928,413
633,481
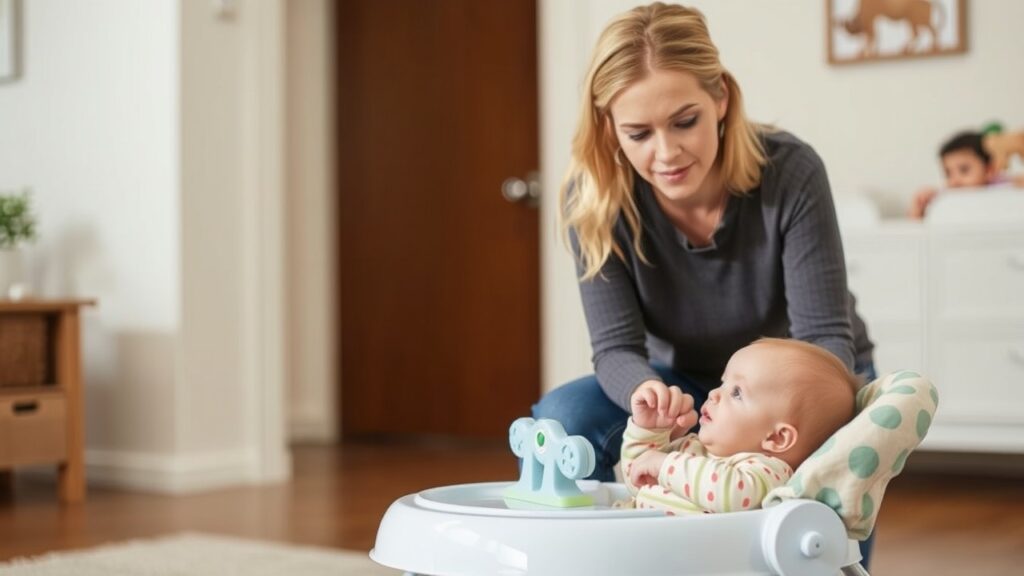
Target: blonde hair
x,y
597,188
825,391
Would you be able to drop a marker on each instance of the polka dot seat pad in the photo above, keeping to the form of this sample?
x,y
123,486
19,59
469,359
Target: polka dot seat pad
x,y
850,471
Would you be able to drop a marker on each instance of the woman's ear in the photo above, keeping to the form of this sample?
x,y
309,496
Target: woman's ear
x,y
781,439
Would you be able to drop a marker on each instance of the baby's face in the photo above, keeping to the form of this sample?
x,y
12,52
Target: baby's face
x,y
740,414
964,169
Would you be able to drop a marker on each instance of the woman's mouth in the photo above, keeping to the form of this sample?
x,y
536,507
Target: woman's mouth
x,y
674,175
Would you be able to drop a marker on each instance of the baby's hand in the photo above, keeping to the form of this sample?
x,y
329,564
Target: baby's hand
x,y
644,470
655,405
920,202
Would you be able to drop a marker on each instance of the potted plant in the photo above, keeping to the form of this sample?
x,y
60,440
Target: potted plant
x,y
17,228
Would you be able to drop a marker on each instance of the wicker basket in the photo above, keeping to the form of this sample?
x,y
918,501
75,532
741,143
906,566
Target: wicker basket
x,y
24,355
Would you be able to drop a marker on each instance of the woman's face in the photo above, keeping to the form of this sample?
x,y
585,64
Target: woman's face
x,y
667,126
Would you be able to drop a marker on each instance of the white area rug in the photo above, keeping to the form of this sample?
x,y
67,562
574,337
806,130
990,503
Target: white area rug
x,y
198,555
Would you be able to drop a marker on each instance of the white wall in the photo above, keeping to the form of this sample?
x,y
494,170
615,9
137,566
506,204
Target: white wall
x,y
877,126
151,134
91,127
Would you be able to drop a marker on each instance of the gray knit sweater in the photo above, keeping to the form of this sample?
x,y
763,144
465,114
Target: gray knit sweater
x,y
774,268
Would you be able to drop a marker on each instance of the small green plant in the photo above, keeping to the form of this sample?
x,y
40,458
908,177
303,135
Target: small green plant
x,y
17,223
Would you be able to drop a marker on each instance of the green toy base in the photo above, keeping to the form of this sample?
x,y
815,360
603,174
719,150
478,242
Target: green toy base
x,y
572,501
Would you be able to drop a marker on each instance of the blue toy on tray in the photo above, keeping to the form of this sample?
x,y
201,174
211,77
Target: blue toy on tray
x,y
551,463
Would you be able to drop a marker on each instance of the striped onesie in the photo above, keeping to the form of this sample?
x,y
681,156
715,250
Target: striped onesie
x,y
691,481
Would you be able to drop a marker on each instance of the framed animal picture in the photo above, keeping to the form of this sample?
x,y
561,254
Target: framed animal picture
x,y
865,30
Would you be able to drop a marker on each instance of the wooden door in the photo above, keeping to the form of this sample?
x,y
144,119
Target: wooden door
x,y
439,274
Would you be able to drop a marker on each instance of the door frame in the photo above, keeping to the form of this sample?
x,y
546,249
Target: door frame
x,y
264,246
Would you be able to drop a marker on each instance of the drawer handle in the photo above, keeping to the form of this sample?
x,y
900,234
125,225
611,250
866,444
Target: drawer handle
x,y
26,407
1016,261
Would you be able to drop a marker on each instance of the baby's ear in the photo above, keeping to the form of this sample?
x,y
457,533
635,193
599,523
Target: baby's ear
x,y
781,439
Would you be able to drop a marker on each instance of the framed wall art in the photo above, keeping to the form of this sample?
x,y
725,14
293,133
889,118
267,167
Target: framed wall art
x,y
866,30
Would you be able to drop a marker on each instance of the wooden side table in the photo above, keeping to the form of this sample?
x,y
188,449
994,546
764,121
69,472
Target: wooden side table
x,y
41,400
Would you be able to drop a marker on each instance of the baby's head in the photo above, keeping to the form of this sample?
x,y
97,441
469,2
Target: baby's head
x,y
966,162
778,397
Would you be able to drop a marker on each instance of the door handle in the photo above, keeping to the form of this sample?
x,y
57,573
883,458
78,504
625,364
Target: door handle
x,y
522,190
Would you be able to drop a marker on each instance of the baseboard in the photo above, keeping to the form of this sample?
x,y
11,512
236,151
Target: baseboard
x,y
169,473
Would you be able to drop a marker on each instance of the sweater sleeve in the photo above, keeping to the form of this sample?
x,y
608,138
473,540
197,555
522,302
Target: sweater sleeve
x,y
636,441
717,484
817,297
617,333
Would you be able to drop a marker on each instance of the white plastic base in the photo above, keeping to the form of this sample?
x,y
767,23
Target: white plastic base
x,y
469,530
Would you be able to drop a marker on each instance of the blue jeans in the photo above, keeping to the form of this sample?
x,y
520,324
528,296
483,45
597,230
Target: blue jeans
x,y
583,409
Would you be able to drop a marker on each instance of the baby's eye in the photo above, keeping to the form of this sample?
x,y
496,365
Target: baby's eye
x,y
735,393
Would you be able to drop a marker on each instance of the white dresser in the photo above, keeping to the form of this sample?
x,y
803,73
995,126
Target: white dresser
x,y
946,297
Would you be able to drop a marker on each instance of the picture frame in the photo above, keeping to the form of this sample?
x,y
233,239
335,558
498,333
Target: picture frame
x,y
868,30
8,40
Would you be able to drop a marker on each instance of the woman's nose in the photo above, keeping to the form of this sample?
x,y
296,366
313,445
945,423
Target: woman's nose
x,y
665,148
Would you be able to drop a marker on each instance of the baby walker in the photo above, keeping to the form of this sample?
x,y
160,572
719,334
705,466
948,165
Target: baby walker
x,y
550,523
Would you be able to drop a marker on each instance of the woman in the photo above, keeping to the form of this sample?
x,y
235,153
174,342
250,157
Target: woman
x,y
695,231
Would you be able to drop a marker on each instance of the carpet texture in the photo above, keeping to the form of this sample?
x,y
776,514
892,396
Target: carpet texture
x,y
192,554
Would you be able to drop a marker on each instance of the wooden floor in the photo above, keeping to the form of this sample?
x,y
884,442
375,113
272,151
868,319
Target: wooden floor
x,y
929,524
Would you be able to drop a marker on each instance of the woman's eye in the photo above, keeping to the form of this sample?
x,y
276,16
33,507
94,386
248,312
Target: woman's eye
x,y
687,122
638,136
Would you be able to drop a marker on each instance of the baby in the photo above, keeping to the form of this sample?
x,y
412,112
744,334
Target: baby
x,y
778,402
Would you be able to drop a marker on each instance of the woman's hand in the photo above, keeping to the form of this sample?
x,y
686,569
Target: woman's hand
x,y
655,405
645,469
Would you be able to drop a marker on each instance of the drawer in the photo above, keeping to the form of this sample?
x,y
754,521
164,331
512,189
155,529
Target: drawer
x,y
980,379
897,348
885,276
977,278
32,429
